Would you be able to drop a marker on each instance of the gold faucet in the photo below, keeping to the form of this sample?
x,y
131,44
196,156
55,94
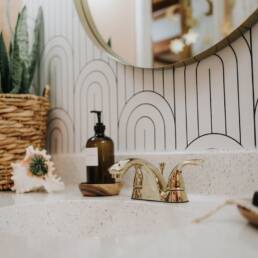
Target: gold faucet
x,y
149,182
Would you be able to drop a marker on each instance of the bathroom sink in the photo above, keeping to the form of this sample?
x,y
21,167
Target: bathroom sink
x,y
94,218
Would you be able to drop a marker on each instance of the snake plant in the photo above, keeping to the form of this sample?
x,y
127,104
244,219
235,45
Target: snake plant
x,y
18,63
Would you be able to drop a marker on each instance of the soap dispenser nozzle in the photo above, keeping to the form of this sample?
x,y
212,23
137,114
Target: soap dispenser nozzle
x,y
98,113
99,127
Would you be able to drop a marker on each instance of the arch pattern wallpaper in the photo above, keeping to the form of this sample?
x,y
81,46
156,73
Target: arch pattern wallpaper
x,y
209,104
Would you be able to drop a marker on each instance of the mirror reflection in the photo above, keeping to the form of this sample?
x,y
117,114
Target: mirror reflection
x,y
156,33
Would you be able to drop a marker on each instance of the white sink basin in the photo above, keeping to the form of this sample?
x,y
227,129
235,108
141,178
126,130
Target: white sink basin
x,y
95,218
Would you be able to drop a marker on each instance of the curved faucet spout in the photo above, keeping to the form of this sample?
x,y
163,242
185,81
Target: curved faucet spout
x,y
118,170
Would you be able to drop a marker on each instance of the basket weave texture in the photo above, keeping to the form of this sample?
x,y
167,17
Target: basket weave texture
x,y
23,122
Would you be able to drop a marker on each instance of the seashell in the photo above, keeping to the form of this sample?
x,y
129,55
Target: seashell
x,y
35,172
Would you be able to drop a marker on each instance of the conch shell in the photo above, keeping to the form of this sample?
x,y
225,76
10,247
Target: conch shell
x,y
35,172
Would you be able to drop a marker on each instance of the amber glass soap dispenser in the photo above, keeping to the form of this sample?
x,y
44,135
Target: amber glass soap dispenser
x,y
100,155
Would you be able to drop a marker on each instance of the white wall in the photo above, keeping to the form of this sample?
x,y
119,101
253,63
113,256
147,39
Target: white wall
x,y
209,104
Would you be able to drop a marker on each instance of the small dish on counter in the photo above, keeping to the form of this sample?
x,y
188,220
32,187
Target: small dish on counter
x,y
92,190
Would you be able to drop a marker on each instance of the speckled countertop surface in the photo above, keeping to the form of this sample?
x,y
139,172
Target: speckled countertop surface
x,y
69,225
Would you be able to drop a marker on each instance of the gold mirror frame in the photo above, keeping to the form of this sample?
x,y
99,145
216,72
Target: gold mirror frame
x,y
90,27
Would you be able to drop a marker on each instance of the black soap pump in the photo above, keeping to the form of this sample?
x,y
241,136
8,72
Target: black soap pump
x,y
100,154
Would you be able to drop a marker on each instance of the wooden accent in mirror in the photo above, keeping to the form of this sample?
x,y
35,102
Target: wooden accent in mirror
x,y
162,4
253,19
161,50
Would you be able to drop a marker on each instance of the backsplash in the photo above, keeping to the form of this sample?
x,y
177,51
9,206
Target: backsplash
x,y
209,104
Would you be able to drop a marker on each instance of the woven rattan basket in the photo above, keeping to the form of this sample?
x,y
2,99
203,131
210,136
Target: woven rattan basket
x,y
23,122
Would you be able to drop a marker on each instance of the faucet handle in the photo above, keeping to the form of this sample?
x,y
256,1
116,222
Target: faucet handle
x,y
176,186
176,180
195,162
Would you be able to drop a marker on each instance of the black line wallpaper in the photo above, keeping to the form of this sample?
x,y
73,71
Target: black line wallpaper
x,y
209,104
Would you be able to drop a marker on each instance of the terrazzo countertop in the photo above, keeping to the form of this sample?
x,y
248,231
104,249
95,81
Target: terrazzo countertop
x,y
69,225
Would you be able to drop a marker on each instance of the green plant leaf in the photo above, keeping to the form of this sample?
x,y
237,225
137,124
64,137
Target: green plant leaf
x,y
19,51
4,67
35,52
16,68
17,71
24,81
22,35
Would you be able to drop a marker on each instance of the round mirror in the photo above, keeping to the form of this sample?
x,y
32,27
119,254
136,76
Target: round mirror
x,y
157,33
